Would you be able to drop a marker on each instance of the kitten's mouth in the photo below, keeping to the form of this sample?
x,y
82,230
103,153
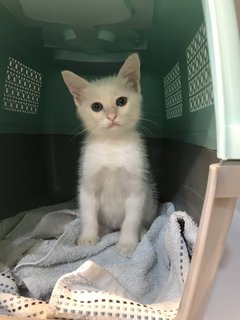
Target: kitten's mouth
x,y
113,124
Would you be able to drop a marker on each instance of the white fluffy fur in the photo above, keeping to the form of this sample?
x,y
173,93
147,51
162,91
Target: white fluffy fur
x,y
114,187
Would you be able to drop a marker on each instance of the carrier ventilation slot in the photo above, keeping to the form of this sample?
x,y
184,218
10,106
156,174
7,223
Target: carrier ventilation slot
x,y
173,93
22,88
199,74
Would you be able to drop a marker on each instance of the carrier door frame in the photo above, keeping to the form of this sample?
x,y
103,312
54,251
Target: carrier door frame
x,y
223,189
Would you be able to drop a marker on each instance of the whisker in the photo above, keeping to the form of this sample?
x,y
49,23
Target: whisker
x,y
140,126
150,121
147,120
76,128
78,134
146,130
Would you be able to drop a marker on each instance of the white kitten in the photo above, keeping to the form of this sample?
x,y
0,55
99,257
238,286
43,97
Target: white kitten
x,y
115,191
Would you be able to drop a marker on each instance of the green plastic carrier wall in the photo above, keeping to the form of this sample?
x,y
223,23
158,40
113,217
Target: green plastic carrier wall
x,y
40,38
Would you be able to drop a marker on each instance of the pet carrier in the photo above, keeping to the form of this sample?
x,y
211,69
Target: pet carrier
x,y
190,75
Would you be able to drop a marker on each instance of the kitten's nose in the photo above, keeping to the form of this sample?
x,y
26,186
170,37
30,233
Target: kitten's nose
x,y
111,116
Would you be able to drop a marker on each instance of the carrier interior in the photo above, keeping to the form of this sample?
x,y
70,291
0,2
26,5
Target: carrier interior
x,y
39,140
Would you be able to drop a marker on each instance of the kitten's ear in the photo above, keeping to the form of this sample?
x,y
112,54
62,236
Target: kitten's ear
x,y
75,84
131,71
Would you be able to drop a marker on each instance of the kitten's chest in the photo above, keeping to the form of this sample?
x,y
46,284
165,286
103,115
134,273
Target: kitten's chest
x,y
128,156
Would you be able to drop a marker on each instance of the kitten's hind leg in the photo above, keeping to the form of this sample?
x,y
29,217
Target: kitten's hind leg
x,y
89,219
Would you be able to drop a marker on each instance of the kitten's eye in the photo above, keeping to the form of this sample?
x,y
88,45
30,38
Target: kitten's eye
x,y
97,106
121,101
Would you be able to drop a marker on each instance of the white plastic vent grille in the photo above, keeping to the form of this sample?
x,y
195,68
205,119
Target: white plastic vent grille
x,y
173,93
199,74
22,88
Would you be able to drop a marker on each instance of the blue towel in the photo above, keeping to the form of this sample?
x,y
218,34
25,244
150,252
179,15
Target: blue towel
x,y
155,273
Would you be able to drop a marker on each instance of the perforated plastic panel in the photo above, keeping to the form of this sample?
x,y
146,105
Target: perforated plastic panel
x,y
22,88
199,74
173,93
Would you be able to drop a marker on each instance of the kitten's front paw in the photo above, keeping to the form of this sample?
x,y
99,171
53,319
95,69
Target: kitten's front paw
x,y
126,249
87,241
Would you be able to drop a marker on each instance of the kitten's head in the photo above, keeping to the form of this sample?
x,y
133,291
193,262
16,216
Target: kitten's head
x,y
109,105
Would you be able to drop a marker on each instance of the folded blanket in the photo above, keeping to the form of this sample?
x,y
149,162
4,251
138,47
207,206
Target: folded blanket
x,y
154,274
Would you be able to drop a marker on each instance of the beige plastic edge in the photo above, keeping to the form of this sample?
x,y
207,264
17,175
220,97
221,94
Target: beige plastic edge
x,y
223,188
224,52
